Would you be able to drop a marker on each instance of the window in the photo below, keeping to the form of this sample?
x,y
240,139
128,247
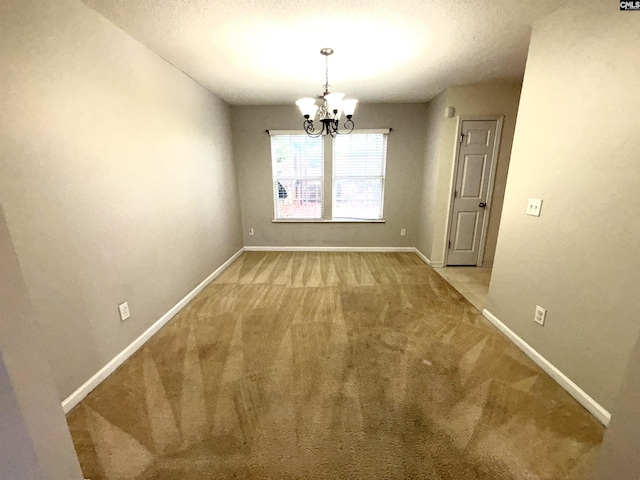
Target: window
x,y
358,176
298,176
355,187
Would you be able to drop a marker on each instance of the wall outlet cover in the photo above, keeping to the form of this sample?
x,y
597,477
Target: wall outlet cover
x,y
124,311
533,207
540,315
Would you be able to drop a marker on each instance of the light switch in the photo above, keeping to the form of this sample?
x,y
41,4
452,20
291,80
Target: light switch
x,y
534,206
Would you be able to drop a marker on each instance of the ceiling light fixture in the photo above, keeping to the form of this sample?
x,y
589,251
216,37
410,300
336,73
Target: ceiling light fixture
x,y
332,107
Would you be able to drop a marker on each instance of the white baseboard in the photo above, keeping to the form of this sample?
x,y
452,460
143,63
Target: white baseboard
x,y
565,382
328,249
426,260
422,256
76,397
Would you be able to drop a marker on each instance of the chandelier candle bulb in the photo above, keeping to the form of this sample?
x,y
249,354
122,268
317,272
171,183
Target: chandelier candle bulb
x,y
329,111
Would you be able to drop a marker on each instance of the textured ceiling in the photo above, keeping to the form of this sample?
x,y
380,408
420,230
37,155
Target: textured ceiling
x,y
252,52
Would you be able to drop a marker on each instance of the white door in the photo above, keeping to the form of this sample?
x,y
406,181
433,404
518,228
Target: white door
x,y
474,167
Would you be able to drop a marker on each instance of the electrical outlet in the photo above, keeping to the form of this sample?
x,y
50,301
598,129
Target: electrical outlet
x,y
124,311
541,314
251,231
533,207
403,231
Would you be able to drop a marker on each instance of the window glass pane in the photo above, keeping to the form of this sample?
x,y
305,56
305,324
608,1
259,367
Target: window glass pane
x,y
359,155
298,171
299,199
297,156
358,198
358,176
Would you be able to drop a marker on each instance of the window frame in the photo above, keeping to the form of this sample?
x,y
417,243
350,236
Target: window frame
x,y
328,180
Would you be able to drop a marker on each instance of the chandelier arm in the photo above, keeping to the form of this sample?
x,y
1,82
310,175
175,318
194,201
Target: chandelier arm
x,y
309,128
334,128
331,125
349,125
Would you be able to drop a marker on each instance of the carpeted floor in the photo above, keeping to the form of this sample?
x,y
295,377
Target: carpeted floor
x,y
331,366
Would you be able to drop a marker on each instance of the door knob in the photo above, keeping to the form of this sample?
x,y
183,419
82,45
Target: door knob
x,y
482,204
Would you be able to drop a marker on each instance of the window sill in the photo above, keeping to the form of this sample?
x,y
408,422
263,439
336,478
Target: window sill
x,y
299,220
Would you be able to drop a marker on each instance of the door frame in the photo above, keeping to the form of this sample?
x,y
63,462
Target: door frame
x,y
492,175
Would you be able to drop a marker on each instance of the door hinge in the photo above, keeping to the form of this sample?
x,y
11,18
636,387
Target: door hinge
x,y
461,137
455,194
449,244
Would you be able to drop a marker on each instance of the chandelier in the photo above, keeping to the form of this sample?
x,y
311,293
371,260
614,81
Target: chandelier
x,y
331,108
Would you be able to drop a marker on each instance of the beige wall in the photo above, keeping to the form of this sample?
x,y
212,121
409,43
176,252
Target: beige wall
x,y
434,138
116,176
476,100
619,456
252,150
34,439
576,146
17,455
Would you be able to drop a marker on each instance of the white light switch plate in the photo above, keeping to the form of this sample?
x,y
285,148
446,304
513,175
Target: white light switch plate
x,y
124,311
533,207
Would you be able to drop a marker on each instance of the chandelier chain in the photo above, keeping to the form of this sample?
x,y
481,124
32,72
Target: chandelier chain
x,y
326,74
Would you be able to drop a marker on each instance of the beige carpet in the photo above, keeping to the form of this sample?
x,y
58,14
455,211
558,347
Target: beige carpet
x,y
331,366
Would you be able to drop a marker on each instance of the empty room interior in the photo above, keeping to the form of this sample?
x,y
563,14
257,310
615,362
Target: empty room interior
x,y
216,266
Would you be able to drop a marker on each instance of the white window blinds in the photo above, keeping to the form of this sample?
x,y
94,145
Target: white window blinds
x,y
359,162
298,176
